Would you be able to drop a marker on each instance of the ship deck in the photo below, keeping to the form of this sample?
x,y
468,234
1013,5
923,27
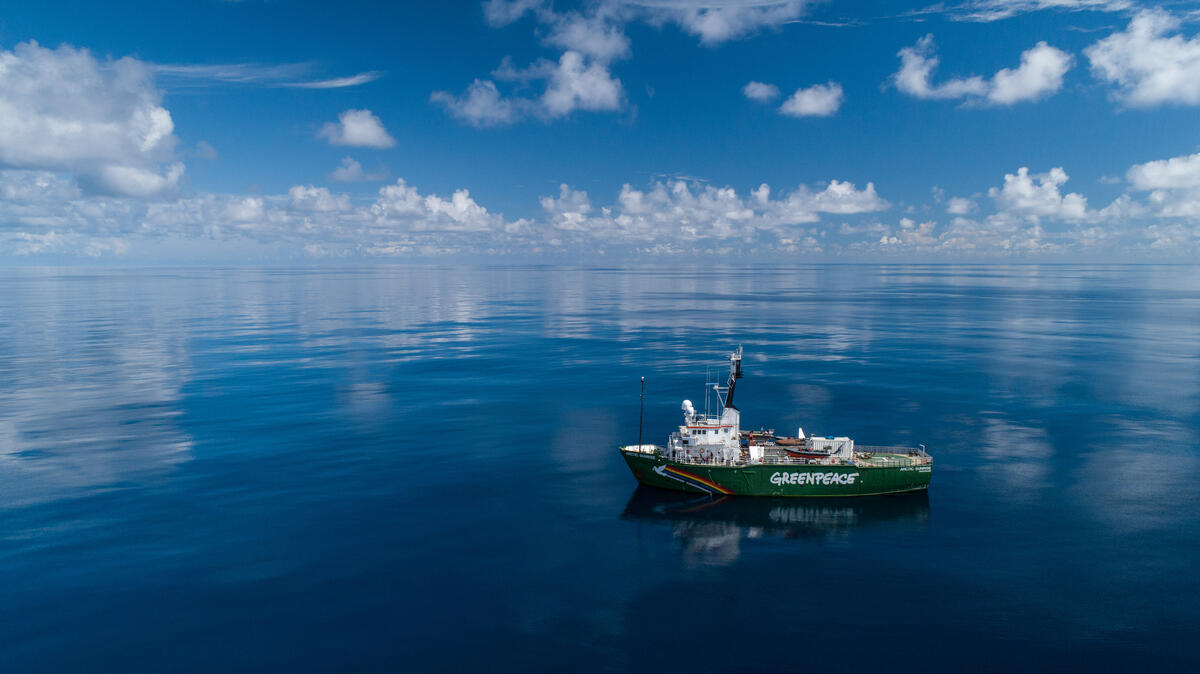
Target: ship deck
x,y
870,457
865,456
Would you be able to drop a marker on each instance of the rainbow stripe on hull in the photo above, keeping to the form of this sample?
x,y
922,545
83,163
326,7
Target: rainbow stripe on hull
x,y
674,473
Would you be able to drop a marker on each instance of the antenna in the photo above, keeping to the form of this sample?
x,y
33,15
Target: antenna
x,y
641,413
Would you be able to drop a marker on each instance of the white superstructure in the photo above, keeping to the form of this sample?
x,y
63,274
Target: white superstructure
x,y
712,437
708,438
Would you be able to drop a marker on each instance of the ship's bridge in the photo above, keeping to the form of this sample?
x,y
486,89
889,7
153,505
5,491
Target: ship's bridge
x,y
707,437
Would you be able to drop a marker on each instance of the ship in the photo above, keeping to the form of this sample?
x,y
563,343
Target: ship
x,y
711,454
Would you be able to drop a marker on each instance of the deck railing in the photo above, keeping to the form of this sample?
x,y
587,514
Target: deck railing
x,y
876,455
878,449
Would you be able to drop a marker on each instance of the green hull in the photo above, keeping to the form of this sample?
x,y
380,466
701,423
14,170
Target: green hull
x,y
777,480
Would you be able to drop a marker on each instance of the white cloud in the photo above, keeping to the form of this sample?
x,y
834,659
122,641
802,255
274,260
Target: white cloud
x,y
62,110
713,21
1173,185
244,209
917,64
592,39
1034,196
348,171
1149,62
760,91
136,181
205,150
1174,173
337,82
839,197
819,100
910,233
677,212
187,74
402,205
24,187
481,105
573,83
994,10
352,171
994,236
500,13
318,199
595,36
45,213
357,128
959,206
716,21
288,75
570,210
1039,75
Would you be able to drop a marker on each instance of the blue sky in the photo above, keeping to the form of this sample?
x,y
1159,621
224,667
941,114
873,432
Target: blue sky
x,y
209,131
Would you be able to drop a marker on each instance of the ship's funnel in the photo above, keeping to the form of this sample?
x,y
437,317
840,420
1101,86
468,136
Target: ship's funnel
x,y
800,432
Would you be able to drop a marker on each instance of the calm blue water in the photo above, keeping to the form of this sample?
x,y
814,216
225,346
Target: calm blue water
x,y
414,469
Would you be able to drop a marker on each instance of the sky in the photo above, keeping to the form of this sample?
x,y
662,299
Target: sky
x,y
603,131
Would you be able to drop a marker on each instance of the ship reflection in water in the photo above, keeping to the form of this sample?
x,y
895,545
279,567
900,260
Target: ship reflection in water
x,y
711,529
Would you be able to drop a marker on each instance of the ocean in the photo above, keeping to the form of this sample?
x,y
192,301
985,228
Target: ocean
x,y
414,468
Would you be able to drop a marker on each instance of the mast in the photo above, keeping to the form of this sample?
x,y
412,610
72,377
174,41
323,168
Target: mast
x,y
641,413
735,373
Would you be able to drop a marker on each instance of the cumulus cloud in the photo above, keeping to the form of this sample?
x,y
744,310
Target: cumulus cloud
x,y
1149,62
44,212
104,122
135,181
317,199
678,212
910,233
244,209
596,36
716,21
1034,215
1034,196
481,105
575,84
572,83
500,13
959,206
351,171
917,64
1039,75
1173,185
402,205
713,21
1174,173
357,128
569,210
819,100
760,91
591,40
